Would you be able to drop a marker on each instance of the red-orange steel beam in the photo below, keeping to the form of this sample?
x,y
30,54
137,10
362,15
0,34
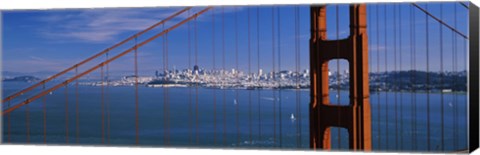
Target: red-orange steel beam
x,y
27,101
93,57
356,117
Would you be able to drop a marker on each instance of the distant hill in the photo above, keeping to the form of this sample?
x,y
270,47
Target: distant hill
x,y
406,80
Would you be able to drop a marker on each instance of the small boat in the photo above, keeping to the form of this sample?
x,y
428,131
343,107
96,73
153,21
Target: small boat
x,y
292,117
235,101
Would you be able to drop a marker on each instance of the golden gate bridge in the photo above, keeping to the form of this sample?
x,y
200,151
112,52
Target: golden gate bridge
x,y
324,114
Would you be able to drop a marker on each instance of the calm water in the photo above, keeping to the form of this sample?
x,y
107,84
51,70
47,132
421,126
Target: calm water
x,y
256,128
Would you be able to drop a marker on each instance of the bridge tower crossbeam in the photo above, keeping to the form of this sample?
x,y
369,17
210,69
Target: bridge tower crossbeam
x,y
355,117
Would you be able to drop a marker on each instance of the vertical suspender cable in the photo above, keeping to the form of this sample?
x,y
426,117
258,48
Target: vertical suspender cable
x,y
414,97
213,72
44,117
370,52
455,96
411,75
167,90
102,104
196,81
378,75
428,80
9,123
259,76
66,114
223,80
386,72
27,120
190,119
297,80
297,123
76,108
299,92
298,87
465,48
249,78
136,93
236,75
274,79
339,134
279,84
107,99
441,81
395,70
400,69
165,121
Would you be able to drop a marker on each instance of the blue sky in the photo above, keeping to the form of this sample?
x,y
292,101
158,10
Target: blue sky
x,y
52,40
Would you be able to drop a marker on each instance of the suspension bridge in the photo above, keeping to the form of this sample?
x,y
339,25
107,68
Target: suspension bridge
x,y
412,46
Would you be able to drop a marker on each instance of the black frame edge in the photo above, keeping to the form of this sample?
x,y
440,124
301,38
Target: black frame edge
x,y
473,77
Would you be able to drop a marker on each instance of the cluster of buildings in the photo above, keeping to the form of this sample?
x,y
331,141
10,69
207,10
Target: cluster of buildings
x,y
285,79
216,79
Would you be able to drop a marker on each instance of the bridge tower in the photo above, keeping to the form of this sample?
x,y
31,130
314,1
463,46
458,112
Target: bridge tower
x,y
356,116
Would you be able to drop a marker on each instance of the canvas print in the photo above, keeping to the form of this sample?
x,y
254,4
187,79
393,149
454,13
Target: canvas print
x,y
326,77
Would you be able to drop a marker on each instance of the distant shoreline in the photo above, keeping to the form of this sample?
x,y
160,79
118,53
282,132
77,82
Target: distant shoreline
x,y
292,89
